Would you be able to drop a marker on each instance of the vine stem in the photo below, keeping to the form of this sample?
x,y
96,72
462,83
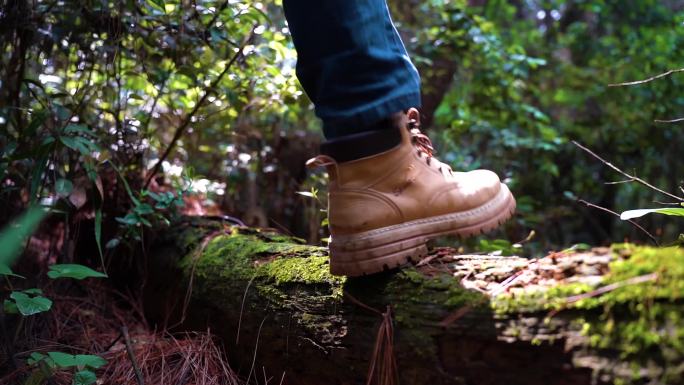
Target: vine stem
x,y
638,226
652,78
631,178
188,118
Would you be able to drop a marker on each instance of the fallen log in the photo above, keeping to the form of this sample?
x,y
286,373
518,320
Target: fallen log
x,y
600,316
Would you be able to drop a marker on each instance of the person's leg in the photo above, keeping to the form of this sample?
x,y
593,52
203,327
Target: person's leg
x,y
351,63
388,194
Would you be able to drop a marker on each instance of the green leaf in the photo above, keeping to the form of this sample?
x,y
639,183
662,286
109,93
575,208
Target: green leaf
x,y
30,305
63,360
306,194
35,357
143,209
75,143
63,113
159,4
145,222
90,360
98,234
84,377
37,175
130,219
37,377
114,242
73,270
13,236
78,128
10,307
37,120
630,214
5,270
63,187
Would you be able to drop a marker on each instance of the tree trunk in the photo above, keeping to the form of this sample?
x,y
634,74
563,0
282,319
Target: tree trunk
x,y
279,312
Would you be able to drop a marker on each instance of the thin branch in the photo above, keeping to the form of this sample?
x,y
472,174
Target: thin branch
x,y
638,226
669,121
667,203
652,78
131,355
256,348
620,181
188,118
613,286
242,308
634,178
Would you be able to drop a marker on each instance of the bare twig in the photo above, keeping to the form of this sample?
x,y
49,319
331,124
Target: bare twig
x,y
131,355
652,78
188,118
256,348
667,203
638,226
620,181
631,177
455,316
669,121
613,286
242,308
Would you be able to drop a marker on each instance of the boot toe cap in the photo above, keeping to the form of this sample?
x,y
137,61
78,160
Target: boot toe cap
x,y
478,187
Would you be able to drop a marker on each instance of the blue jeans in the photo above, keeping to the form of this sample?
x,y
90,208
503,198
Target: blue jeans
x,y
351,62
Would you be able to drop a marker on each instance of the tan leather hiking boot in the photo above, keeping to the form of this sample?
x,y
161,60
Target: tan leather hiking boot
x,y
383,208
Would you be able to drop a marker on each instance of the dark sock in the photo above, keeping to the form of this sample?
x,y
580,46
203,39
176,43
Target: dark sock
x,y
375,139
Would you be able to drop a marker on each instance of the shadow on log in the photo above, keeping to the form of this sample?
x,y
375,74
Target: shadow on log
x,y
280,313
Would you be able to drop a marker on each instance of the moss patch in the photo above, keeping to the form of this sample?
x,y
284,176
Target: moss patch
x,y
311,270
632,261
642,322
270,259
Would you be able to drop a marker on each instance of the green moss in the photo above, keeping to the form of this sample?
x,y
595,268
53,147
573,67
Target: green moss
x,y
421,302
634,261
443,289
412,292
271,259
642,322
311,270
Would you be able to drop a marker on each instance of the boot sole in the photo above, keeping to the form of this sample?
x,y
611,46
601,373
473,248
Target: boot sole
x,y
393,246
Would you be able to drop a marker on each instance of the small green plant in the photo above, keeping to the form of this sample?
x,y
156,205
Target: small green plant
x,y
29,302
82,364
316,206
499,247
148,208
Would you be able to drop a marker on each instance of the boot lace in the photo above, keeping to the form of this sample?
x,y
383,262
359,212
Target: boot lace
x,y
423,143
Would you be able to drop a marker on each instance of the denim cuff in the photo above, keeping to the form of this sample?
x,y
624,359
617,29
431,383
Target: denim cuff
x,y
367,120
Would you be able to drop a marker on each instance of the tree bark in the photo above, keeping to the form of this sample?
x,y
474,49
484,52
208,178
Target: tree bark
x,y
278,312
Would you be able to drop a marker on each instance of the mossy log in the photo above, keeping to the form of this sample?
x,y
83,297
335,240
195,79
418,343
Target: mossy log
x,y
615,316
